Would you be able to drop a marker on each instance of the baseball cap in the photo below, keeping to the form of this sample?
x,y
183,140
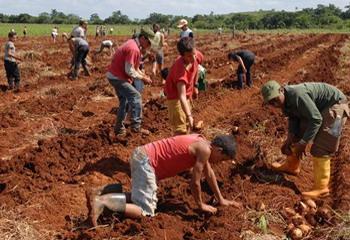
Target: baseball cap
x,y
182,22
81,22
270,90
149,34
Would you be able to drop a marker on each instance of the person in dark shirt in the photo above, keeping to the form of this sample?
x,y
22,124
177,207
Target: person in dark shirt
x,y
246,60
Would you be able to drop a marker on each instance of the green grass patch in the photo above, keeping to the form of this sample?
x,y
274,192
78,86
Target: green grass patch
x,y
46,29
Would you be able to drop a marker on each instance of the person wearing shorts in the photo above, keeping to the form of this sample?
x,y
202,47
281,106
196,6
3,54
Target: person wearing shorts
x,y
159,52
164,159
181,84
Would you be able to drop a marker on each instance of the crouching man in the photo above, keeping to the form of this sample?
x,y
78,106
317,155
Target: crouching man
x,y
162,159
316,115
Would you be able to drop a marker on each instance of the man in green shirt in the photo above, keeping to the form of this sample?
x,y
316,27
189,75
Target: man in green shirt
x,y
316,113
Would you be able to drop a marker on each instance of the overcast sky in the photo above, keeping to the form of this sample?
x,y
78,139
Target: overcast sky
x,y
142,8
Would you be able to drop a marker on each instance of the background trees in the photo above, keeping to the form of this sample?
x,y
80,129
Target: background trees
x,y
320,17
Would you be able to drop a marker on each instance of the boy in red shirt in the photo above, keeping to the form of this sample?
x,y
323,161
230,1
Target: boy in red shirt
x,y
179,87
162,159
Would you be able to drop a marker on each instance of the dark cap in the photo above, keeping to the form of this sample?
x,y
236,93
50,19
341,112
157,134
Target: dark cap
x,y
12,34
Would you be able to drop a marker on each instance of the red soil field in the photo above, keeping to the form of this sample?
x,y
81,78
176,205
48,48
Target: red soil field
x,y
57,140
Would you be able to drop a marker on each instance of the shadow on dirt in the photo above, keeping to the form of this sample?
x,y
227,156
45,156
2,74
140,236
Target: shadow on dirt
x,y
3,87
107,166
264,175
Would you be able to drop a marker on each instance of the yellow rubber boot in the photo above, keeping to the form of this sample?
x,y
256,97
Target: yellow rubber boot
x,y
322,174
291,165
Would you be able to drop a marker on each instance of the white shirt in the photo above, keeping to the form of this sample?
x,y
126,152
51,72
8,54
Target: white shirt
x,y
185,33
107,43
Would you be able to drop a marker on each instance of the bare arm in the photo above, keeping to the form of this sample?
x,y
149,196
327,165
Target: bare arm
x,y
13,55
71,43
181,89
241,63
202,155
211,180
112,51
130,71
162,40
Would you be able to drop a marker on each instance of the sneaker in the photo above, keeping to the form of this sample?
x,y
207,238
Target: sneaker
x,y
141,130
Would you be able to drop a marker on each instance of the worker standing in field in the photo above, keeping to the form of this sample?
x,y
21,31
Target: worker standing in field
x,y
234,32
80,48
164,159
54,34
316,115
97,31
185,31
25,31
219,32
159,52
121,72
245,60
181,86
10,62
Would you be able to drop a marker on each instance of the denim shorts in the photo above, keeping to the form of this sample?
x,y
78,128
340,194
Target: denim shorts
x,y
143,182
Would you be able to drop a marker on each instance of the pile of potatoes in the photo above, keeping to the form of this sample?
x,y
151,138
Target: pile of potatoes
x,y
304,217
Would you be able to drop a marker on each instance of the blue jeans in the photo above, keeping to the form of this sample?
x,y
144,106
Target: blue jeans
x,y
80,56
138,84
240,75
127,94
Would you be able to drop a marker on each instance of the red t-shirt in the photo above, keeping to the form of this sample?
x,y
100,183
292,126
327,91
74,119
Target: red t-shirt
x,y
171,156
199,57
178,73
128,52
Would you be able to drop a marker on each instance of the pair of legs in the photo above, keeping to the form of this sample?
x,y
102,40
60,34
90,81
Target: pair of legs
x,y
12,74
324,145
54,37
80,58
177,117
127,95
143,198
247,76
159,66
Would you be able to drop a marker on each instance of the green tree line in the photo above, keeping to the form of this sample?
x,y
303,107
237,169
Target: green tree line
x,y
320,17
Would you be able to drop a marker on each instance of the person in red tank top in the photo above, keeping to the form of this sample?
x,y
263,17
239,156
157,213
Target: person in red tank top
x,y
163,159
